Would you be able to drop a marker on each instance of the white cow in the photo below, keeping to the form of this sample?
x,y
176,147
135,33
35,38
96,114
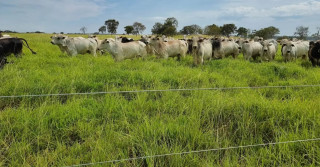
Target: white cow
x,y
146,39
251,49
293,50
257,39
5,36
75,45
225,48
201,50
121,51
99,41
269,50
56,40
171,48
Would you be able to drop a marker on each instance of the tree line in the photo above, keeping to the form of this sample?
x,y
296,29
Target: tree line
x,y
170,25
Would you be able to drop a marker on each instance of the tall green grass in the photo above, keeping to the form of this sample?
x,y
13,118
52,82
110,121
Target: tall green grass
x,y
67,130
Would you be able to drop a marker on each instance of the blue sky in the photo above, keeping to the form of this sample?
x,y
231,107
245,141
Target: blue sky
x,y
70,15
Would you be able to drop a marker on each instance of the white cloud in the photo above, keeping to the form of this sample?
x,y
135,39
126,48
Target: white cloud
x,y
308,8
301,9
55,9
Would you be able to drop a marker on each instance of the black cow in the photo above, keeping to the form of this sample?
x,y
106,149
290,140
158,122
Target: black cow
x,y
189,46
314,53
126,40
10,46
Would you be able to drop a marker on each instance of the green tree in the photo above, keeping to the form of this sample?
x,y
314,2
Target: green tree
x,y
171,21
192,29
302,32
157,28
170,26
243,32
317,34
128,29
83,29
138,28
267,33
212,30
169,31
103,29
228,29
112,25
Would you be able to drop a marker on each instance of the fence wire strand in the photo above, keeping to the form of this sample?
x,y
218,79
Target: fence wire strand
x,y
154,90
191,152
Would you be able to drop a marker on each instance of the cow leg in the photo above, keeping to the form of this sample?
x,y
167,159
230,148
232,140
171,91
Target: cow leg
x,y
202,60
166,56
3,61
179,57
17,53
72,52
94,53
254,58
247,57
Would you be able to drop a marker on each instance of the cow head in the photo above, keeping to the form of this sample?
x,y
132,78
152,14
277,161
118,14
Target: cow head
x,y
58,39
195,41
240,42
106,43
258,39
288,47
265,45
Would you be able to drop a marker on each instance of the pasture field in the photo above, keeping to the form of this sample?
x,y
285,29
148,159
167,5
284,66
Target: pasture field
x,y
71,130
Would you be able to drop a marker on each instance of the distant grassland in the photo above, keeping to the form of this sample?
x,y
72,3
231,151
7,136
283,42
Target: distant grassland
x,y
67,130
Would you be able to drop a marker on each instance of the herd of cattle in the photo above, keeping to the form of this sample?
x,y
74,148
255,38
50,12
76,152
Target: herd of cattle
x,y
202,49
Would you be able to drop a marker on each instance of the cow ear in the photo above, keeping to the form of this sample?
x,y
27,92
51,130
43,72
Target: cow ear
x,y
51,37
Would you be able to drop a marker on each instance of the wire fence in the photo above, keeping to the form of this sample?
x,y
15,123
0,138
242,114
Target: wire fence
x,y
174,90
198,151
163,90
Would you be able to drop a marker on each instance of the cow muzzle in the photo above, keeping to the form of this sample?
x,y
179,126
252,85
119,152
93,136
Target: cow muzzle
x,y
52,43
265,50
194,47
288,51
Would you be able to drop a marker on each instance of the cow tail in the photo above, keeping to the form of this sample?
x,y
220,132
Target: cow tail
x,y
33,52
